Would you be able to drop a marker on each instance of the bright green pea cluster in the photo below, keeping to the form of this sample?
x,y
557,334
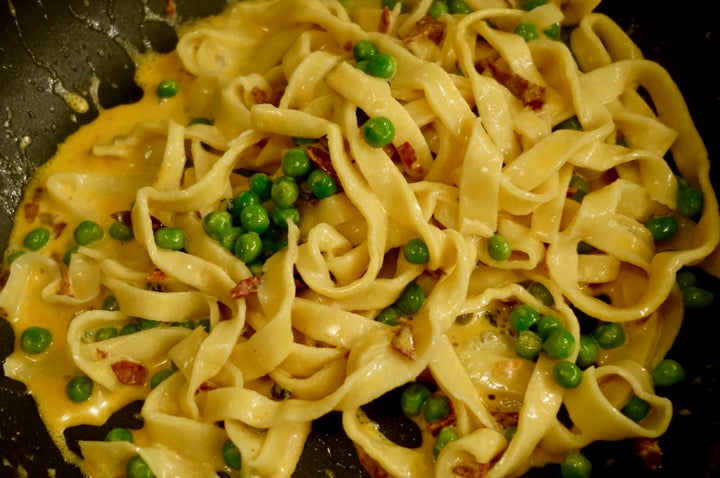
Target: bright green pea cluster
x,y
417,399
409,302
439,7
253,224
369,60
537,333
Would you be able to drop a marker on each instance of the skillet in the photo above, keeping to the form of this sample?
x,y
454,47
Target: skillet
x,y
53,47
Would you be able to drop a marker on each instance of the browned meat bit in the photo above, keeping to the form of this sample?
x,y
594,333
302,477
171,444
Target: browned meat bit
x,y
156,276
246,287
403,341
472,469
170,7
371,465
320,156
385,24
506,419
532,95
261,96
649,452
129,372
31,211
407,155
426,27
448,420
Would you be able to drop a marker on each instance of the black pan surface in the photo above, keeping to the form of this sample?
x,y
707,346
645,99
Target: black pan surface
x,y
51,47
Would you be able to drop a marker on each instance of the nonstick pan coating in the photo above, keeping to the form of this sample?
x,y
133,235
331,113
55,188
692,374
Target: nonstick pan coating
x,y
49,48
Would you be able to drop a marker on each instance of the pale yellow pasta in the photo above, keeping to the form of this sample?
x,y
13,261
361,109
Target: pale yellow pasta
x,y
476,153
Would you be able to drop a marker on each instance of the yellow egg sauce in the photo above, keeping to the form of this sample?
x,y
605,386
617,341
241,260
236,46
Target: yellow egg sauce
x,y
52,369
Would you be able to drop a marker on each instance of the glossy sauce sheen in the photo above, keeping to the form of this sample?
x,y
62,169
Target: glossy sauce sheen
x,y
75,154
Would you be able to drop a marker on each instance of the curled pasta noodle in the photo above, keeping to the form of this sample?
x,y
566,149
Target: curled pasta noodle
x,y
478,153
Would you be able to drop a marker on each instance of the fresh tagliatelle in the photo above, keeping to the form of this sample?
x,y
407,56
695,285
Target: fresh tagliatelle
x,y
514,208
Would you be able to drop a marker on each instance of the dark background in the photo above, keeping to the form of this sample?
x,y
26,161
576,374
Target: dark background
x,y
52,46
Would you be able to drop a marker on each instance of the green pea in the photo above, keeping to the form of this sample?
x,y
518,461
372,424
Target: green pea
x,y
295,163
228,240
528,5
321,184
280,215
528,344
499,248
231,455
553,31
541,293
106,333
378,132
147,324
128,329
575,465
559,345
364,49
588,351
248,247
160,376
67,256
79,388
444,436
578,187
636,408
522,317
668,372
686,278
567,374
609,335
546,325
121,231
14,255
170,238
437,9
168,88
459,6
412,398
381,65
411,299
200,120
416,251
186,324
389,315
255,218
584,248
137,468
435,408
690,201
88,232
119,434
205,324
217,223
510,433
242,200
697,298
527,30
35,340
297,141
662,228
260,184
110,303
37,238
284,191
571,123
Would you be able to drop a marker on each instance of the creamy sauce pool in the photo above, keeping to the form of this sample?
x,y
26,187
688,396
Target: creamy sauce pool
x,y
52,369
